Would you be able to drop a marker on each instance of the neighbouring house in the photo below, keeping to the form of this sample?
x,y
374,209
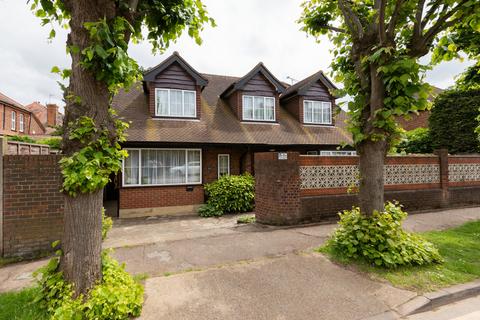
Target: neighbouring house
x,y
188,128
17,119
420,119
48,115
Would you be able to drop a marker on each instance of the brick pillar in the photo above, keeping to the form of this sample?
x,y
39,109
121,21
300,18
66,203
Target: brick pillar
x,y
277,188
443,157
52,110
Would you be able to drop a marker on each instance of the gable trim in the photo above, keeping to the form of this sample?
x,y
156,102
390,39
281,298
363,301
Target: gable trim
x,y
175,57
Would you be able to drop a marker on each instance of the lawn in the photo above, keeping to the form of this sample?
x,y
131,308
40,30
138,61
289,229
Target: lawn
x,y
460,247
20,306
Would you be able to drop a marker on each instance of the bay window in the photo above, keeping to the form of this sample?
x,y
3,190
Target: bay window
x,y
258,108
162,167
317,112
175,103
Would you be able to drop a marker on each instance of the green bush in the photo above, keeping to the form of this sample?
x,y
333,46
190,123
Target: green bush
x,y
22,139
232,193
54,143
207,210
416,141
380,239
453,121
117,297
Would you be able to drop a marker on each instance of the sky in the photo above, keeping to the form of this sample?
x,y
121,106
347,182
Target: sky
x,y
247,32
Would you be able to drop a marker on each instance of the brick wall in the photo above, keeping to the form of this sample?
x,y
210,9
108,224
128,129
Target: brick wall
x,y
322,202
6,121
33,204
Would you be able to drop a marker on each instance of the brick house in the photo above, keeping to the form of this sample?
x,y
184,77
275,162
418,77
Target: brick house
x,y
15,119
189,128
48,115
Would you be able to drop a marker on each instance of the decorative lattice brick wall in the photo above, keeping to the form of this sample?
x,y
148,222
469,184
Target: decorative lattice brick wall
x,y
323,184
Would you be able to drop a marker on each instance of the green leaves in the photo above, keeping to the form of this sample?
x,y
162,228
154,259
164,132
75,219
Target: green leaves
x,y
89,169
229,194
380,239
116,297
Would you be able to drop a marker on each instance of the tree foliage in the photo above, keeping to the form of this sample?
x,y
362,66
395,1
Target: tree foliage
x,y
416,141
377,46
453,121
387,38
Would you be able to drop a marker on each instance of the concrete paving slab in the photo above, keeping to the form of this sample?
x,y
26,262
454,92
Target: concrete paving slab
x,y
290,287
19,275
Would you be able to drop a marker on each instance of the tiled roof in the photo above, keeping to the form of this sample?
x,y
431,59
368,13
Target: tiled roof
x,y
10,101
217,123
39,110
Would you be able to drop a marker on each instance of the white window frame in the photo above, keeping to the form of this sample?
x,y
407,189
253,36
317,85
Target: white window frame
x,y
13,121
321,104
183,103
253,108
140,184
218,164
21,123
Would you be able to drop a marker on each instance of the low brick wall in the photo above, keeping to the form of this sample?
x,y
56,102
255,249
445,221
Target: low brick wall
x,y
303,189
32,204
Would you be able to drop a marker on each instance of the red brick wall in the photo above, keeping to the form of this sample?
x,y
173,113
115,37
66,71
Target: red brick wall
x,y
277,188
162,196
33,204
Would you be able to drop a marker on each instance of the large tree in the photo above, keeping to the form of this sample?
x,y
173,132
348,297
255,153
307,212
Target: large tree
x,y
378,44
100,32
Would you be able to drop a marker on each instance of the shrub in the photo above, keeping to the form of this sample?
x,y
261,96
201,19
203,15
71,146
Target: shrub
x,y
21,139
54,143
232,193
453,121
118,296
207,210
380,239
416,141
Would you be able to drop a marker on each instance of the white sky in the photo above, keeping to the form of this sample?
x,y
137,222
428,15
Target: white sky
x,y
247,32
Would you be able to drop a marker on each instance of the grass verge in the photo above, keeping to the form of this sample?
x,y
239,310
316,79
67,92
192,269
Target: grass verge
x,y
460,247
20,306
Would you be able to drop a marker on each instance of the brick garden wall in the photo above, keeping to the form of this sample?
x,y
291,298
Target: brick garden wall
x,y
32,204
316,188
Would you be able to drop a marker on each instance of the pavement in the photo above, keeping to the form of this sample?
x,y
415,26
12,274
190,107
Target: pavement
x,y
215,269
468,309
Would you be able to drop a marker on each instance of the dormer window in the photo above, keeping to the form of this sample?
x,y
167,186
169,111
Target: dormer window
x,y
317,112
175,103
257,108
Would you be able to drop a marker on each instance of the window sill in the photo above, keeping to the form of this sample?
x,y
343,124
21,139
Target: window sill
x,y
175,119
161,185
274,123
319,125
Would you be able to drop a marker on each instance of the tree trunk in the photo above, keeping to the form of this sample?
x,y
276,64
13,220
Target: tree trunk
x,y
371,193
372,153
82,240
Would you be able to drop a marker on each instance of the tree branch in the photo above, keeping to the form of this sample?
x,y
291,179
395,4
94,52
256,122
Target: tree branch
x,y
442,24
393,20
417,26
380,6
351,19
430,12
332,28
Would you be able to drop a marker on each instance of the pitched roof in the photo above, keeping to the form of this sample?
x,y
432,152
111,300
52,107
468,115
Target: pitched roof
x,y
259,68
218,124
11,102
302,86
39,110
150,74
